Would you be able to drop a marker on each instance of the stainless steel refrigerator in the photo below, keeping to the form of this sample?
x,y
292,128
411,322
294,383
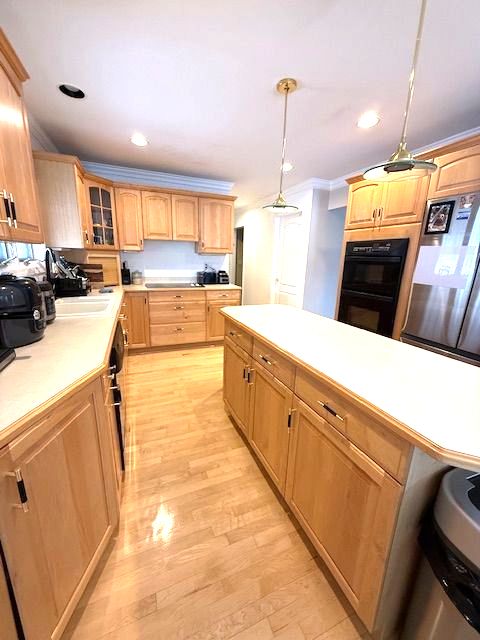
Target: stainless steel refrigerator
x,y
444,309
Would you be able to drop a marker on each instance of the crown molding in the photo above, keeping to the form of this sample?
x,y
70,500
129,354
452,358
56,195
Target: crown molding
x,y
131,175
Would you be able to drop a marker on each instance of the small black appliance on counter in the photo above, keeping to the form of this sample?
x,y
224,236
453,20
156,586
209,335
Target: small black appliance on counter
x,y
126,275
49,300
222,277
22,311
207,276
66,278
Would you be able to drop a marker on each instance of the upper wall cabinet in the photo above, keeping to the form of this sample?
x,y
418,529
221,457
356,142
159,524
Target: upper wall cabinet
x,y
363,201
63,201
157,215
216,226
379,204
185,218
128,204
458,172
19,211
100,202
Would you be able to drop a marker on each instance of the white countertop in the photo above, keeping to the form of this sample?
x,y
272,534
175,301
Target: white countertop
x,y
206,287
71,349
436,399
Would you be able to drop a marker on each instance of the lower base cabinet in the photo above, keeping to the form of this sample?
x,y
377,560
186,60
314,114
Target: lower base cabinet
x,y
237,387
270,430
58,509
215,321
346,503
138,323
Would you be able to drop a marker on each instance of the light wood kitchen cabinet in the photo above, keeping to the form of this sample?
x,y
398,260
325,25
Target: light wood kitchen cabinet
x,y
138,322
216,226
184,218
379,204
20,215
346,503
157,215
364,198
458,172
101,208
403,201
237,384
215,301
63,201
270,424
128,206
60,475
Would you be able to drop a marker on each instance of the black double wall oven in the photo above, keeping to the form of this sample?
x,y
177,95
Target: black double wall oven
x,y
372,275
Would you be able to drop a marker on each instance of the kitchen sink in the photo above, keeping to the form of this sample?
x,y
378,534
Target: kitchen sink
x,y
83,306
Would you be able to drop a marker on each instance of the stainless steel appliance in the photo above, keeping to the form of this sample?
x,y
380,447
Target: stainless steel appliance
x,y
446,599
444,309
116,365
22,311
222,277
49,300
372,276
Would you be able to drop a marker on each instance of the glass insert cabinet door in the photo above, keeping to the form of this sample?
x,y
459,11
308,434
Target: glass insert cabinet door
x,y
102,215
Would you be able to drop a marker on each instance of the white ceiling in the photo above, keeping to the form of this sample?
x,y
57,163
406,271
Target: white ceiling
x,y
197,78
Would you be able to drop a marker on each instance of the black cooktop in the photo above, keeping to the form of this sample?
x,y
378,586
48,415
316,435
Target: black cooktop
x,y
172,285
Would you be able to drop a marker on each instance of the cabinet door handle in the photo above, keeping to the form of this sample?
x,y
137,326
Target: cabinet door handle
x,y
330,410
224,295
180,329
380,213
179,307
374,214
22,492
114,404
178,296
244,373
233,334
6,203
266,360
87,241
290,417
250,373
14,212
125,338
122,316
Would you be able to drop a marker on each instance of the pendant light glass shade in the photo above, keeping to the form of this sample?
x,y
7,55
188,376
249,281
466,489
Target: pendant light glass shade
x,y
279,205
402,164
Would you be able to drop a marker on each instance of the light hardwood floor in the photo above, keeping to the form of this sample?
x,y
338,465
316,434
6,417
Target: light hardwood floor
x,y
204,550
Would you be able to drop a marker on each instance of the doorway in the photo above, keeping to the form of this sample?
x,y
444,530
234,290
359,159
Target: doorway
x,y
289,259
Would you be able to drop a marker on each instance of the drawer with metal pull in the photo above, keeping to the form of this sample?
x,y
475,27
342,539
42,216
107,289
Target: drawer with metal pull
x,y
239,336
177,311
391,452
273,361
177,294
224,294
181,333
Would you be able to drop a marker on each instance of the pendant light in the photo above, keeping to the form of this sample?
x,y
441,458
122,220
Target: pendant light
x,y
402,163
279,205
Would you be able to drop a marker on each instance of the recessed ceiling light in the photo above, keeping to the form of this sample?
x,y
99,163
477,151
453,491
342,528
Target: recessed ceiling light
x,y
368,119
71,91
139,140
286,167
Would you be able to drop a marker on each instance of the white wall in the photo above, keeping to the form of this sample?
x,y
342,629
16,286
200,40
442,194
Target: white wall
x,y
257,254
171,259
323,264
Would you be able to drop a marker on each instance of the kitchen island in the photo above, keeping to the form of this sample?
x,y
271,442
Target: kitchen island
x,y
356,431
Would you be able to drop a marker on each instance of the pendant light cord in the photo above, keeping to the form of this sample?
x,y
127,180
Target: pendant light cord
x,y
284,139
411,82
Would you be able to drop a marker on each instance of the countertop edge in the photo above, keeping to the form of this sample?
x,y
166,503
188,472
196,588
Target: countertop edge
x,y
447,456
25,422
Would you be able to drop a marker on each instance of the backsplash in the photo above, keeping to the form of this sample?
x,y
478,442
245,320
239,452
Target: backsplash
x,y
171,259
